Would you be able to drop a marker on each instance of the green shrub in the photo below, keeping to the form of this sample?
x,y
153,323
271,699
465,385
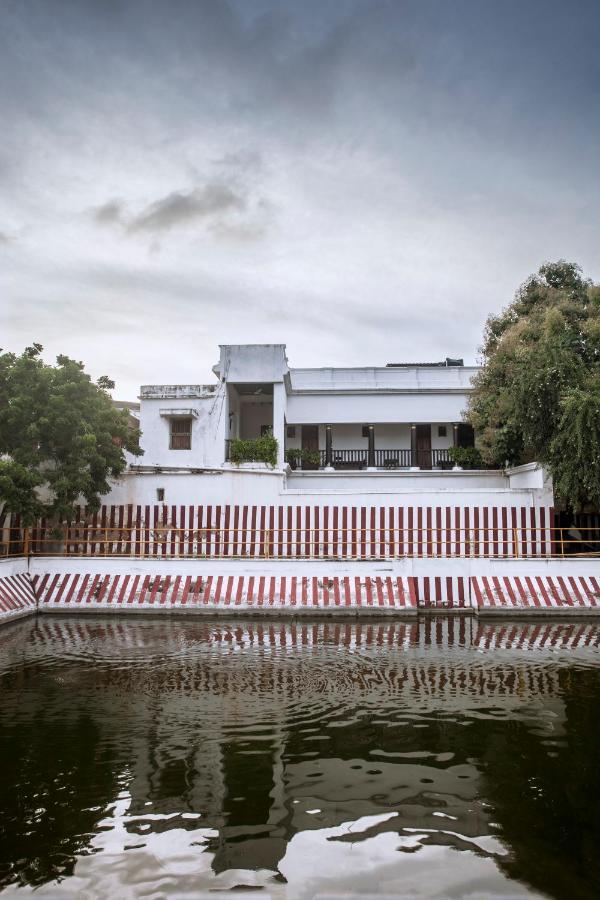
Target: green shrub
x,y
311,457
263,449
293,455
466,457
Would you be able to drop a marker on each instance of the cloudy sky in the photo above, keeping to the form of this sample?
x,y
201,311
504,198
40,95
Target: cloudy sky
x,y
362,180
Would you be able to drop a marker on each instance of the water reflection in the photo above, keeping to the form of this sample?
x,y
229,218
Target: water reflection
x,y
175,757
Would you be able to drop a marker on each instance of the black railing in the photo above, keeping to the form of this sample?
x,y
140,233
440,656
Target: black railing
x,y
342,459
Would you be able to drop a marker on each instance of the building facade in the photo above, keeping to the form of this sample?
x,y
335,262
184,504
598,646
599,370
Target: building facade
x,y
385,432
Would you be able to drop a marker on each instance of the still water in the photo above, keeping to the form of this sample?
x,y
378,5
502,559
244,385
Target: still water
x,y
153,758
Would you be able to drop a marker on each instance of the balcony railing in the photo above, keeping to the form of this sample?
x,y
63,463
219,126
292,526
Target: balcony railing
x,y
345,459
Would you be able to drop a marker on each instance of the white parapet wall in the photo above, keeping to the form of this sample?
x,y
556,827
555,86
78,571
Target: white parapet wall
x,y
402,586
256,484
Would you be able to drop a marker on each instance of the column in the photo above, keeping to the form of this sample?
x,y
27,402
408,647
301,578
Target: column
x,y
279,406
328,449
371,450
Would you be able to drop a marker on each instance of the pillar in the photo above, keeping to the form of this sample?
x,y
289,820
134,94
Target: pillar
x,y
279,408
328,449
371,450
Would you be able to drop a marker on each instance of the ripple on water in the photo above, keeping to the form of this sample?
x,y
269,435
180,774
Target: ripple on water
x,y
174,757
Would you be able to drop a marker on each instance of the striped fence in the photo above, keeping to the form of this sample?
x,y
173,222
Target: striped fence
x,y
315,532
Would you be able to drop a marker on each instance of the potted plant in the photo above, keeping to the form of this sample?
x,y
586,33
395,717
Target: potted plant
x,y
292,456
466,457
311,459
263,449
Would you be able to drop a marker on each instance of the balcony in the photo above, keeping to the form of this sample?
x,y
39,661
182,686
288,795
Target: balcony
x,y
388,459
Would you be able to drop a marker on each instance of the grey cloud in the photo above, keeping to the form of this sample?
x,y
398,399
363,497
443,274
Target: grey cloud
x,y
180,207
109,213
4,238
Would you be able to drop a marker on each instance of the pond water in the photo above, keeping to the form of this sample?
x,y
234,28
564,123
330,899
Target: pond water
x,y
158,758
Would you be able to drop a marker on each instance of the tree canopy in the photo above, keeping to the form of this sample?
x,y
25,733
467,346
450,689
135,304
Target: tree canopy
x,y
61,437
537,397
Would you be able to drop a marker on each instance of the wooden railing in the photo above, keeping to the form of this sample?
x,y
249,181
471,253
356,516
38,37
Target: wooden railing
x,y
342,459
299,543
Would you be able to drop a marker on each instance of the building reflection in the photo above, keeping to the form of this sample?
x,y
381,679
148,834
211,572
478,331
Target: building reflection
x,y
266,730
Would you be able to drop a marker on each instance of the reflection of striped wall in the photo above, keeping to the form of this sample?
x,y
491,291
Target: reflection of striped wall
x,y
227,592
312,531
425,638
540,636
16,596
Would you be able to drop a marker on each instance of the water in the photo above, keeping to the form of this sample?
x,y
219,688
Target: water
x,y
157,758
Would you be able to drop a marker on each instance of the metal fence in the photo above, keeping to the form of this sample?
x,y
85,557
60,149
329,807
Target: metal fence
x,y
372,543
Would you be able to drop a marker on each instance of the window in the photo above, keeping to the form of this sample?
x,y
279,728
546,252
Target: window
x,y
291,431
181,434
265,429
442,431
365,431
160,495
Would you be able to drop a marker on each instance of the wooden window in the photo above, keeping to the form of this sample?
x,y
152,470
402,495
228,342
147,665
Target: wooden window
x,y
181,434
160,495
365,431
265,429
442,431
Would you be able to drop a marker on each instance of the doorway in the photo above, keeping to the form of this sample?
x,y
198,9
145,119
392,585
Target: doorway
x,y
310,441
422,446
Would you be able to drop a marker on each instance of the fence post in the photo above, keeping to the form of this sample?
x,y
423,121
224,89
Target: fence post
x,y
562,543
516,542
26,541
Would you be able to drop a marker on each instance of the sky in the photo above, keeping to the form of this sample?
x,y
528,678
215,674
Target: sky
x,y
362,180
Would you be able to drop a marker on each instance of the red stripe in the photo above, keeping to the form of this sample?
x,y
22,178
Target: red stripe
x,y
390,591
113,588
315,591
175,591
123,589
186,589
478,595
133,590
165,590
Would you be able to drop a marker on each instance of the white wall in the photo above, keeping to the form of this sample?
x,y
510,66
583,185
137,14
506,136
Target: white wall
x,y
208,430
373,408
255,414
263,487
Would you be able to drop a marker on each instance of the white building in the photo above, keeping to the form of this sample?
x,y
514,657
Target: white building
x,y
365,431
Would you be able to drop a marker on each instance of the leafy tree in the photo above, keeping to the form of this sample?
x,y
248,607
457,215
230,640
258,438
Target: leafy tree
x,y
538,394
61,438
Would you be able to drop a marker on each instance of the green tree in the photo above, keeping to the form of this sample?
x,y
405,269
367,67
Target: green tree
x,y
538,394
61,438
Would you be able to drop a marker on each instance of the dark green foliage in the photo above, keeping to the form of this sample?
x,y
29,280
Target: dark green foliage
x,y
538,394
263,449
60,432
292,455
466,457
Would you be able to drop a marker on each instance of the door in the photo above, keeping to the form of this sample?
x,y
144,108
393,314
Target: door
x,y
422,446
310,442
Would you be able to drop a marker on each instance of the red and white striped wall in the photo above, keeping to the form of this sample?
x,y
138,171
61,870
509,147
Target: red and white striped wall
x,y
81,592
331,531
536,593
17,597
